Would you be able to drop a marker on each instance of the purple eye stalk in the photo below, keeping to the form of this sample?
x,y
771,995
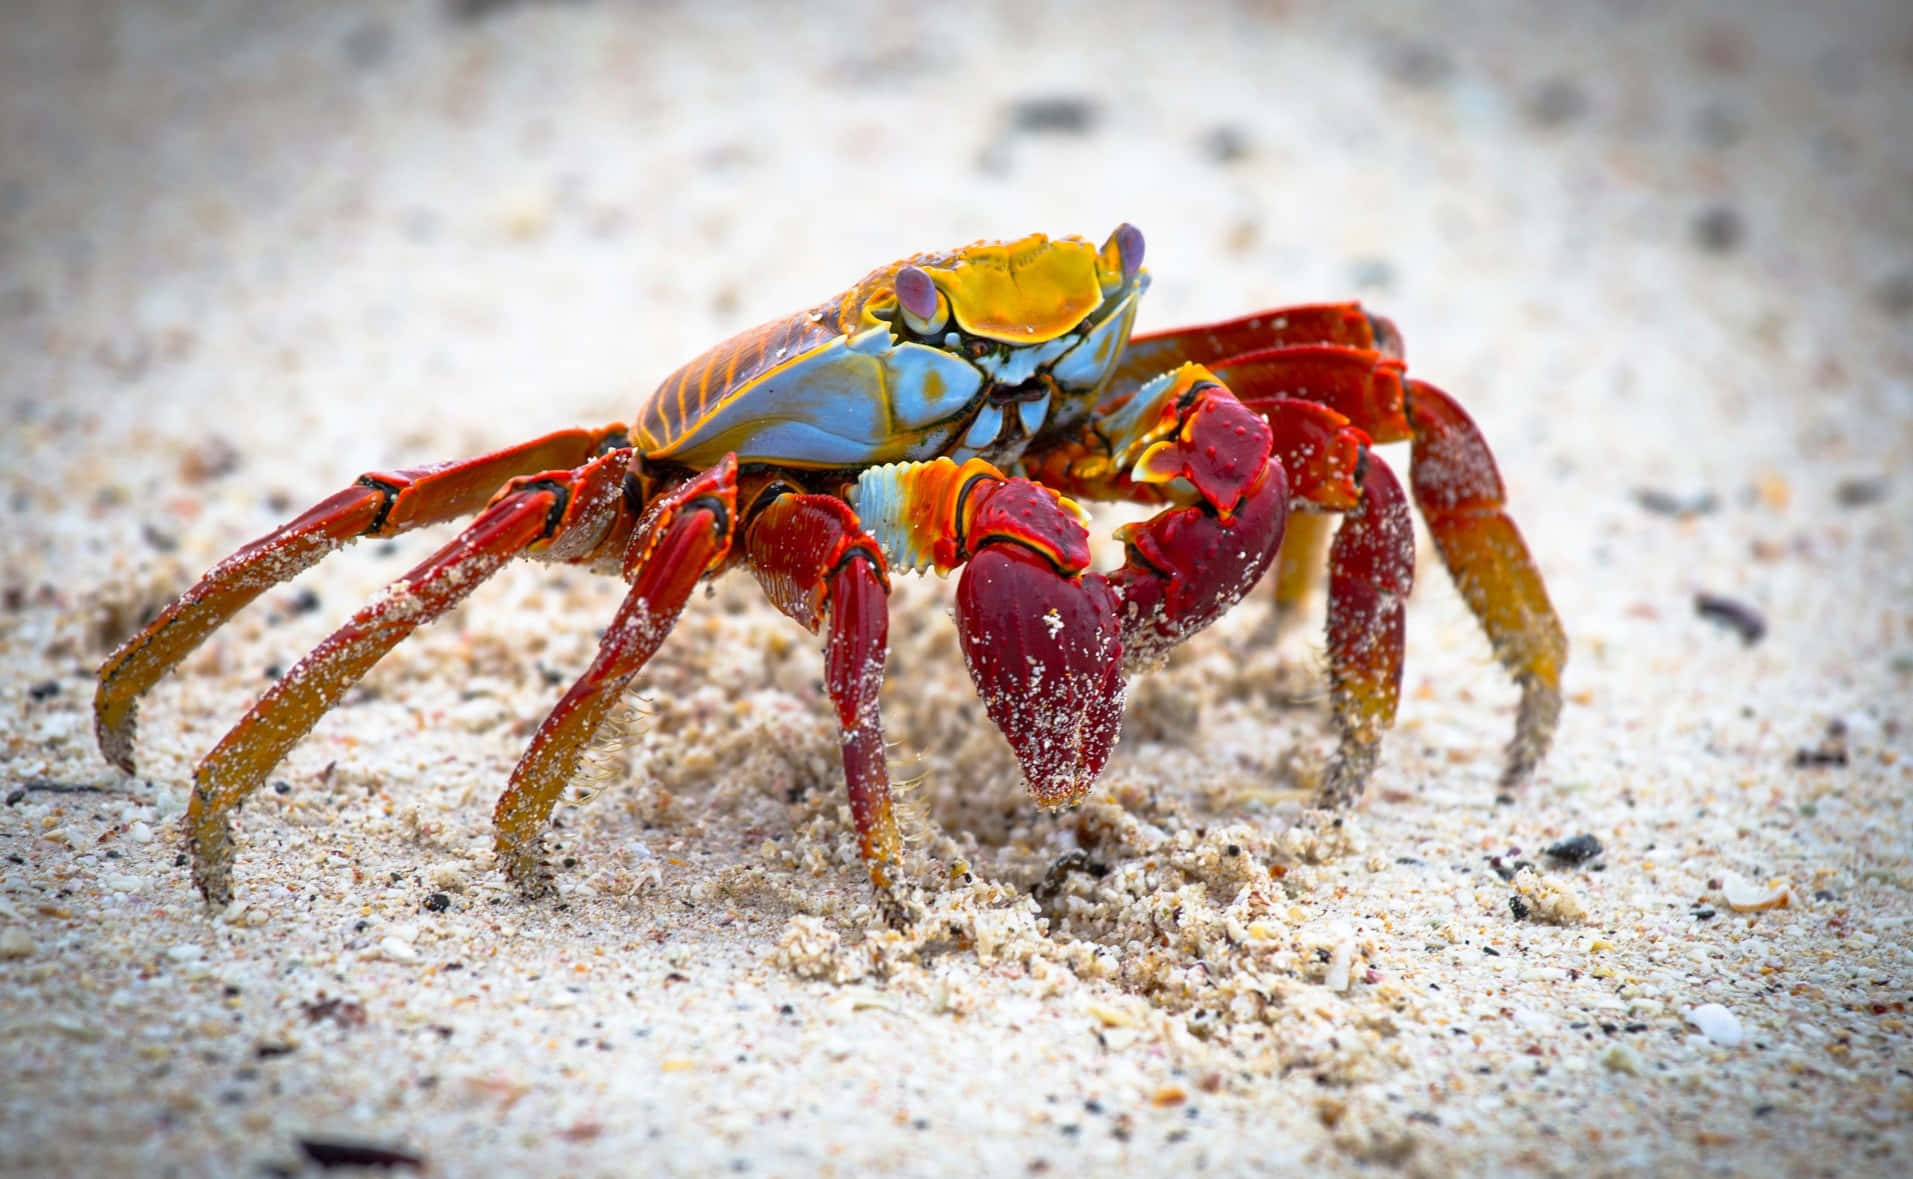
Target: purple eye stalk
x,y
1128,241
919,301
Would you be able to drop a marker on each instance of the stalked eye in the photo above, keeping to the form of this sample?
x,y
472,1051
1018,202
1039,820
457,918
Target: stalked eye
x,y
918,299
1129,246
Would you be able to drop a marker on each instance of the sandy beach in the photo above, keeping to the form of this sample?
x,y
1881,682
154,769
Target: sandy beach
x,y
1663,252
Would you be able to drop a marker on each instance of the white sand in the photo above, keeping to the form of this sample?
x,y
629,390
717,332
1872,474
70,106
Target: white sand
x,y
303,244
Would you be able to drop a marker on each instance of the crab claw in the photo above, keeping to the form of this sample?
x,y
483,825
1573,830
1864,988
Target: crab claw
x,y
1045,651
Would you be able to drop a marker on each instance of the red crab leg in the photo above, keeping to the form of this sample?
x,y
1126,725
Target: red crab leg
x,y
378,504
1040,636
1359,384
561,513
684,534
1348,360
1371,567
817,564
1322,323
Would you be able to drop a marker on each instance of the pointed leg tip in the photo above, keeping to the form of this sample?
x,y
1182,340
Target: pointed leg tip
x,y
114,735
121,757
896,913
209,851
1535,723
1347,776
525,867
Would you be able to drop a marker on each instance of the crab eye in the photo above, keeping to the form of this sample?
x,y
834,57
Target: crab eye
x,y
1129,247
920,302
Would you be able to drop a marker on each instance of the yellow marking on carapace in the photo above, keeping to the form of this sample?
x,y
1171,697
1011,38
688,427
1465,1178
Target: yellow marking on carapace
x,y
1027,291
1022,292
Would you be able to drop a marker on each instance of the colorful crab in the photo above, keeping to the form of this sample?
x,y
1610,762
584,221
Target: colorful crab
x,y
939,414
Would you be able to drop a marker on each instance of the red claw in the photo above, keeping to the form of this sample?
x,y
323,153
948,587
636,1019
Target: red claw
x,y
1186,566
1045,651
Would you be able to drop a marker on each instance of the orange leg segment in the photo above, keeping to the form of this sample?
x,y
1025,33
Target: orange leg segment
x,y
1461,497
527,514
379,504
684,534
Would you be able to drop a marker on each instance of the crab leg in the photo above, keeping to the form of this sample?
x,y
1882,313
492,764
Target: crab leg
x,y
1371,568
1461,496
378,504
818,565
685,534
1344,324
562,514
1350,361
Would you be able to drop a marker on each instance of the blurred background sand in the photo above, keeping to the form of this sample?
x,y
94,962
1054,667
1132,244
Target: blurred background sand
x,y
1662,251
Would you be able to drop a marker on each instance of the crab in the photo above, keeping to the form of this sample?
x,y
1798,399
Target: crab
x,y
947,412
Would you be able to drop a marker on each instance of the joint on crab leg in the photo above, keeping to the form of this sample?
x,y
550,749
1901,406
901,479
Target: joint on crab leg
x,y
378,504
1364,386
531,514
818,565
1462,498
684,534
1321,454
1038,633
1371,569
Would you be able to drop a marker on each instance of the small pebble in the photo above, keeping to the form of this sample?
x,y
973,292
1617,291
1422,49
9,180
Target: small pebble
x,y
1662,502
139,832
1859,492
1415,63
16,942
1620,1058
1718,229
1577,849
398,950
1557,102
1340,960
1065,114
1734,615
1225,144
1744,897
1716,1023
